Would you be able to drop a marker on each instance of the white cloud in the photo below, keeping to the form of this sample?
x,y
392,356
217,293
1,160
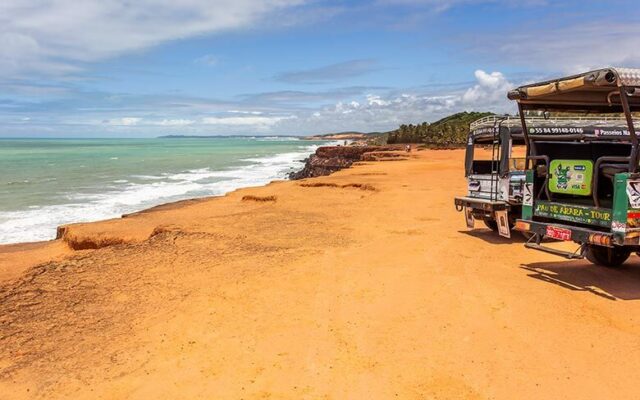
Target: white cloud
x,y
368,109
20,52
245,121
384,112
374,100
125,121
53,36
175,122
491,89
245,112
569,48
149,122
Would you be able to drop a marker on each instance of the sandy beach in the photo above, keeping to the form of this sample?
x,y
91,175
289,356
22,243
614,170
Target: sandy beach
x,y
364,284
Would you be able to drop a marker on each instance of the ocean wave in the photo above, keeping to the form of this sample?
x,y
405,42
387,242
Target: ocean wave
x,y
148,177
24,182
34,224
193,175
28,182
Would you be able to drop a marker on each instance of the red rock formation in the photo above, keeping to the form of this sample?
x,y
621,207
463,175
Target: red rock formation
x,y
329,159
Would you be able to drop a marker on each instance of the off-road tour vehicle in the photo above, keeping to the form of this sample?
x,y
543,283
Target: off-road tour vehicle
x,y
495,161
494,178
582,184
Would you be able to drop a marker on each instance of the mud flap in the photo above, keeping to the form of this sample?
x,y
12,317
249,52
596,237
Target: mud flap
x,y
502,218
468,215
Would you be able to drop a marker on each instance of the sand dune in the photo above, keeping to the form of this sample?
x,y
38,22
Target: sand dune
x,y
361,285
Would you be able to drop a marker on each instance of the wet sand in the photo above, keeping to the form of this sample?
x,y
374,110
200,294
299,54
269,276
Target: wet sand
x,y
364,284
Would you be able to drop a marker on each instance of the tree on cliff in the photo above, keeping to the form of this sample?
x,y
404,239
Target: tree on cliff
x,y
449,131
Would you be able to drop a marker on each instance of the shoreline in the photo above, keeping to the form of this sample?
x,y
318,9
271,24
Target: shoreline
x,y
177,203
35,209
25,255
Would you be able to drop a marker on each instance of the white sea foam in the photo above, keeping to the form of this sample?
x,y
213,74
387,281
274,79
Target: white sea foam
x,y
148,177
34,224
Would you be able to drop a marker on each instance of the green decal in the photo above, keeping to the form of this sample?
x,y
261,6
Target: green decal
x,y
571,177
578,214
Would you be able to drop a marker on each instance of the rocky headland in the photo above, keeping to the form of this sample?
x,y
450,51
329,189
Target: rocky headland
x,y
329,159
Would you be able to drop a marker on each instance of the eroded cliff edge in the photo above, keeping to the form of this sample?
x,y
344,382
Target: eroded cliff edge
x,y
329,159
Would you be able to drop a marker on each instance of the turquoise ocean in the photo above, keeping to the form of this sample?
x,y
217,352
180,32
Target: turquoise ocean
x,y
45,183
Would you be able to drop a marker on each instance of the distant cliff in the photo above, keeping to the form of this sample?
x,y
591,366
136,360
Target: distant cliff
x,y
329,159
350,135
338,136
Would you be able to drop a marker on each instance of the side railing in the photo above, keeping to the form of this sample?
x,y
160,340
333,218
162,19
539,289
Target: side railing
x,y
577,121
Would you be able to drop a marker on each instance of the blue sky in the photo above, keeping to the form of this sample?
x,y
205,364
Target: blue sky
x,y
153,67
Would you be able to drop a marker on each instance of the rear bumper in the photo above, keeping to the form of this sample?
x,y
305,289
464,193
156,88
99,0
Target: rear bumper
x,y
578,235
481,204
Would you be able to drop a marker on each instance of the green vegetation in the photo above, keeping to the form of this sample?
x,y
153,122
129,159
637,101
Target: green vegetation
x,y
449,131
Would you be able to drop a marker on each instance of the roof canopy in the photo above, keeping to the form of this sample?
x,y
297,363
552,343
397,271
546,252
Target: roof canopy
x,y
595,91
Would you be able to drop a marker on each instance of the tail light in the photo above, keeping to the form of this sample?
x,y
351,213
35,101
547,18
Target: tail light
x,y
600,239
522,226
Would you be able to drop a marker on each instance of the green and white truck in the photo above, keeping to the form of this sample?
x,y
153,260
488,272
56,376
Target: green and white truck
x,y
583,185
495,179
495,164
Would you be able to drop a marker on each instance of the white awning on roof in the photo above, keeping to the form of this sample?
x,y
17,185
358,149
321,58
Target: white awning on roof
x,y
597,91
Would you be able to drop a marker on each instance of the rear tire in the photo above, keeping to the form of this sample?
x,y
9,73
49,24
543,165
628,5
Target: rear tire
x,y
491,224
607,256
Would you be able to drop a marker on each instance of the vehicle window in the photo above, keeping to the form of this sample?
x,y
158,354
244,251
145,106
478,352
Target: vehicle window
x,y
518,158
482,152
517,164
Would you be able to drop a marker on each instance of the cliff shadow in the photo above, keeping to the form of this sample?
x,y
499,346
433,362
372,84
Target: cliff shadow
x,y
620,283
492,237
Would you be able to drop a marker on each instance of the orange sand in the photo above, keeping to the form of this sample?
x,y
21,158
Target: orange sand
x,y
362,285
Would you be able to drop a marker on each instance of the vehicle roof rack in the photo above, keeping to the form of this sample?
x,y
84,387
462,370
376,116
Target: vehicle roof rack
x,y
540,121
606,90
597,91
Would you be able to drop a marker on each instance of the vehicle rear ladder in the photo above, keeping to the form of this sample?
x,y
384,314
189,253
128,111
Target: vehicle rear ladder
x,y
495,162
